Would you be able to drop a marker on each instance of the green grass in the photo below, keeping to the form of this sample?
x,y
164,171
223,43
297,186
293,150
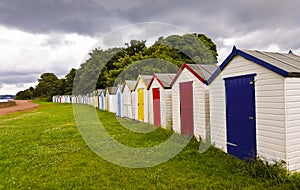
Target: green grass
x,y
43,149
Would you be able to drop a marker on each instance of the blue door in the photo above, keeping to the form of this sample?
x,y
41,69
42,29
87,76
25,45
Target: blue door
x,y
102,101
240,116
119,104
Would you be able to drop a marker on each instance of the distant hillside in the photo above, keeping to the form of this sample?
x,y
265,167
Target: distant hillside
x,y
7,97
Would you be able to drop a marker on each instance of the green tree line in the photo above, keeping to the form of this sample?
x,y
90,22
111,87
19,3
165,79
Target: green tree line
x,y
48,86
111,66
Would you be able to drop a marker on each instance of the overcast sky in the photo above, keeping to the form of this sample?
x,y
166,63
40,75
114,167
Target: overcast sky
x,y
38,36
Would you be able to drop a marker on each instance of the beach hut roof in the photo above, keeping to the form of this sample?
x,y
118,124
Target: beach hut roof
x,y
111,90
130,84
284,64
103,92
201,71
164,79
98,92
145,79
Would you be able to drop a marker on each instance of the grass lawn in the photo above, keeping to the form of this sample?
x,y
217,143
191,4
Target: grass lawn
x,y
43,149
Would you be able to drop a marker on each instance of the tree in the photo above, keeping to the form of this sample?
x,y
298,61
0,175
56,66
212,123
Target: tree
x,y
96,67
165,55
47,86
190,48
60,87
25,94
107,67
69,80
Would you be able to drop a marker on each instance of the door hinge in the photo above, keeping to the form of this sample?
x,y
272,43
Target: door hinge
x,y
252,82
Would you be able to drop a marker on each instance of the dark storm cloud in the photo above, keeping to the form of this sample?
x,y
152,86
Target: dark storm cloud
x,y
40,16
90,17
268,22
222,18
249,24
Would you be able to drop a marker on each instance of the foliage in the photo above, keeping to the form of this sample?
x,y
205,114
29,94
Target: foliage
x,y
98,65
69,79
262,169
48,86
25,94
276,171
164,56
115,65
41,149
111,66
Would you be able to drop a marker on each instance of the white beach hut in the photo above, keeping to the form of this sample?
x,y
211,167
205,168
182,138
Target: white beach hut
x,y
141,97
73,99
111,99
90,99
102,100
54,98
160,99
119,100
98,99
127,94
255,106
190,102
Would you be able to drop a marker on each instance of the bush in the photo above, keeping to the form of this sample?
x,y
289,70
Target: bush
x,y
276,171
262,169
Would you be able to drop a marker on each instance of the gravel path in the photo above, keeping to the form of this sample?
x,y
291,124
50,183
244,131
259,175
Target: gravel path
x,y
21,105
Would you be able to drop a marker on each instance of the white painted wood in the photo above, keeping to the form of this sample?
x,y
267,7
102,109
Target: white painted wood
x,y
199,105
127,102
111,102
217,113
134,105
151,108
106,100
165,104
292,89
270,106
141,85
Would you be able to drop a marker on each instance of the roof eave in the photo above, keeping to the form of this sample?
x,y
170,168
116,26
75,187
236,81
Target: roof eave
x,y
294,74
184,65
249,57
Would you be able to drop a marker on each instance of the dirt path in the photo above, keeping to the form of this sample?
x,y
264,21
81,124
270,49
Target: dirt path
x,y
21,105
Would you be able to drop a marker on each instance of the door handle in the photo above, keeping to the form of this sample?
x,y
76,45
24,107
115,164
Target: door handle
x,y
231,144
251,118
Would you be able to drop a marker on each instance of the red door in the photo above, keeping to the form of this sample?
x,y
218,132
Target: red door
x,y
186,108
156,106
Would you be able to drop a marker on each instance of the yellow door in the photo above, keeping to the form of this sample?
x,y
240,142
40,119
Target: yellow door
x,y
141,104
96,101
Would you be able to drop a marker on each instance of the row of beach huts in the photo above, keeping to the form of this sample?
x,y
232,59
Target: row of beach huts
x,y
248,106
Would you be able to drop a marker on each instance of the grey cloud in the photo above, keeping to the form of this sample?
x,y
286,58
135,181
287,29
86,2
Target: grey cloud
x,y
18,79
266,22
56,40
91,17
48,16
263,39
216,17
